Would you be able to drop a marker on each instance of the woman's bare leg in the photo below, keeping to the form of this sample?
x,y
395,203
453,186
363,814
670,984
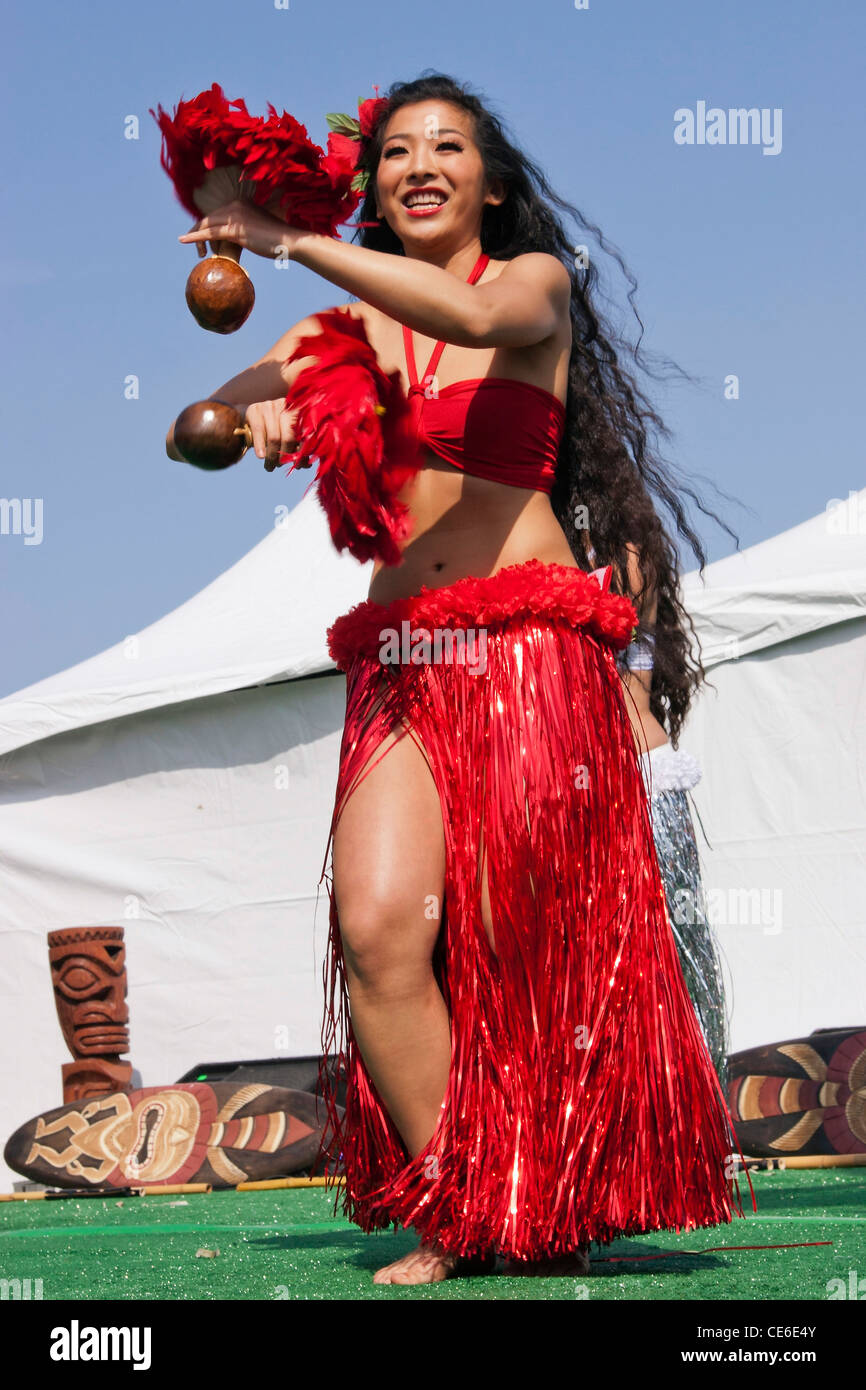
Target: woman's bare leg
x,y
389,877
389,874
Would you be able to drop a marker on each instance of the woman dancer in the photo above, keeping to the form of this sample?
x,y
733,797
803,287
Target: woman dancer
x,y
525,1072
669,774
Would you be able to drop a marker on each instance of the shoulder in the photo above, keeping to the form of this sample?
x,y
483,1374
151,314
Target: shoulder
x,y
356,308
364,313
378,327
308,327
541,269
311,324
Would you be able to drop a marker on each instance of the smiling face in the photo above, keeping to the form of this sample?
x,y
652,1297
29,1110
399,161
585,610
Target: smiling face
x,y
430,183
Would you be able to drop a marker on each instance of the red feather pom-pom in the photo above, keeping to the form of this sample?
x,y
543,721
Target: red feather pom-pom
x,y
355,420
279,165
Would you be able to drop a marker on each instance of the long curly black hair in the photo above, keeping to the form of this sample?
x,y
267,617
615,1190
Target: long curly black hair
x,y
609,474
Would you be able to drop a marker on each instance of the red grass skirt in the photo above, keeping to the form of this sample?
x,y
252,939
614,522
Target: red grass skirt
x,y
582,1102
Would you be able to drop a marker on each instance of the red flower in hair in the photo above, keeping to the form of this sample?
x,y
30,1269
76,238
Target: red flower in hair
x,y
348,134
344,149
369,113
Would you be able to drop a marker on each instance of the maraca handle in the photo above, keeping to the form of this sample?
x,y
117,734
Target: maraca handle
x,y
245,430
231,250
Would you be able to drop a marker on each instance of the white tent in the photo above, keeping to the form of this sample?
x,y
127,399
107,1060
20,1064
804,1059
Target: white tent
x,y
181,785
782,738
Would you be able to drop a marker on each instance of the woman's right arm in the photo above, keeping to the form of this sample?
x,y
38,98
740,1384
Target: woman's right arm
x,y
265,384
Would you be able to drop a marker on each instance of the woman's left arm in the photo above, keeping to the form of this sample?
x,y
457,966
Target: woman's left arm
x,y
522,306
639,682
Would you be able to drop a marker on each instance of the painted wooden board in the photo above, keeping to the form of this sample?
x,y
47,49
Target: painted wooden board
x,y
805,1096
220,1133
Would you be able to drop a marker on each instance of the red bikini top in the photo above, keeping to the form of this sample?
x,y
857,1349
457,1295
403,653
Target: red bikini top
x,y
492,427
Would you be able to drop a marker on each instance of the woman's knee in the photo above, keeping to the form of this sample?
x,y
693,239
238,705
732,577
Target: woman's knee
x,y
388,940
389,865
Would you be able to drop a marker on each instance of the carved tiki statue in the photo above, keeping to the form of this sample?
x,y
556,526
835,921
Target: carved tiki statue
x,y
88,972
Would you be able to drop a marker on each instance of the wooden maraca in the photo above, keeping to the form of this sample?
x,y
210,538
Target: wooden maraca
x,y
216,153
219,293
212,434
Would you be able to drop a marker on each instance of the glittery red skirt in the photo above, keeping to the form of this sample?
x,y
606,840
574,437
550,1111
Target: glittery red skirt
x,y
582,1102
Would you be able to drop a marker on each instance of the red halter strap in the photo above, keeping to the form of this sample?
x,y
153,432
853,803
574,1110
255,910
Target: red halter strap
x,y
475,273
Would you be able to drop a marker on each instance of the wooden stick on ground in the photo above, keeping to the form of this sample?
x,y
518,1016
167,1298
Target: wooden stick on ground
x,y
181,1189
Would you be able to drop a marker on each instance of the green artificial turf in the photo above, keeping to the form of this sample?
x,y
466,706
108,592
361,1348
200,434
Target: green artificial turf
x,y
288,1244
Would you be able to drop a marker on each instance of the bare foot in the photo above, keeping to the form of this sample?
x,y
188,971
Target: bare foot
x,y
429,1264
575,1262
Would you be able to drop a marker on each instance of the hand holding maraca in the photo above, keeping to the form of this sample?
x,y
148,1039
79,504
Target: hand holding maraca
x,y
254,183
245,225
273,432
214,434
219,292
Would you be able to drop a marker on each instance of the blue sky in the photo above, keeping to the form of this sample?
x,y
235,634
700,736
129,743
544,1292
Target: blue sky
x,y
747,264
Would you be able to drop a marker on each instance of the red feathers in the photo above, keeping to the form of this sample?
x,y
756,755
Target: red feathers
x,y
283,168
355,420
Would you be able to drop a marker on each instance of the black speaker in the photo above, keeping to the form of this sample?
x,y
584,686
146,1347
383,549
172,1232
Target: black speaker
x,y
295,1073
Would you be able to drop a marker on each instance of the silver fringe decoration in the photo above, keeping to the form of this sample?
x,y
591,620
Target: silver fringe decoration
x,y
669,774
